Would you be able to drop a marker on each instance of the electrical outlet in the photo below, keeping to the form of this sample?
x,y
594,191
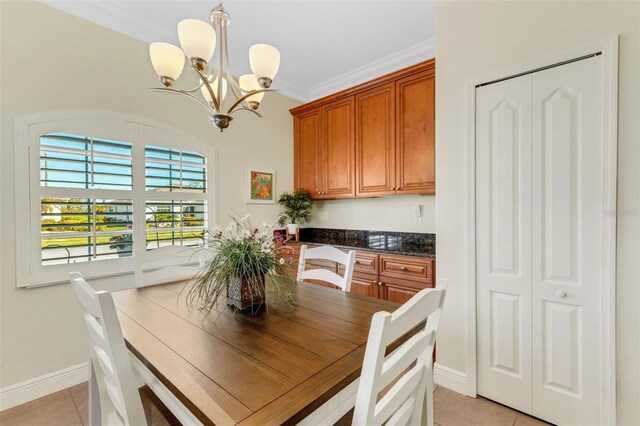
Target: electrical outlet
x,y
417,220
324,216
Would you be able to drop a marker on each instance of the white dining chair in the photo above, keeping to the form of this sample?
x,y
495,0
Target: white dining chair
x,y
168,264
112,376
329,253
409,401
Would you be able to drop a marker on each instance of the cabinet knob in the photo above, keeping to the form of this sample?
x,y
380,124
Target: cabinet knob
x,y
379,282
561,294
402,268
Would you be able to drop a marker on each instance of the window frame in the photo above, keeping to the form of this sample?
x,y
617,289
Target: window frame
x,y
140,132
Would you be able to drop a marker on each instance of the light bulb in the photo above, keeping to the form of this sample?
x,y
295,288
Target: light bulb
x,y
167,61
198,40
249,82
265,61
214,87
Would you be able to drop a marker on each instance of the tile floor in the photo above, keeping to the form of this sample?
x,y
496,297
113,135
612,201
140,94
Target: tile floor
x,y
69,408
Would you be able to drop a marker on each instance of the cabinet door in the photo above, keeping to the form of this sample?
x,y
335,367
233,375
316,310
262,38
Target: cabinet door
x,y
307,151
415,134
375,141
397,293
365,285
339,149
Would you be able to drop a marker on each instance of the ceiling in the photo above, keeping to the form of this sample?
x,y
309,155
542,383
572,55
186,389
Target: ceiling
x,y
325,46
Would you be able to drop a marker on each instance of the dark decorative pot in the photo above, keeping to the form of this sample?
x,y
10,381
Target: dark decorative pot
x,y
241,295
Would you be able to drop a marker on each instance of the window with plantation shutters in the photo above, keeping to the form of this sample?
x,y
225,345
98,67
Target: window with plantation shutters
x,y
86,198
92,192
175,204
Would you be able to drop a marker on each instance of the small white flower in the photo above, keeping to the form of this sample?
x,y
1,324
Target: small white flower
x,y
282,261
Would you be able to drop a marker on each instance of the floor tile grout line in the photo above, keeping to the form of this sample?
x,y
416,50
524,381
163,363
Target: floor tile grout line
x,y
76,406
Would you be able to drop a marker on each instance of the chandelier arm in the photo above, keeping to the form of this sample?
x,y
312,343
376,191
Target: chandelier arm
x,y
248,109
182,92
195,89
205,82
242,98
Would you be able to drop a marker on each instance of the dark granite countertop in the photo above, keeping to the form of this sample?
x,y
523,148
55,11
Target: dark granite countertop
x,y
402,243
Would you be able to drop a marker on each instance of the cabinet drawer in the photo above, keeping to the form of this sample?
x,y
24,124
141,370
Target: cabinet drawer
x,y
408,268
366,263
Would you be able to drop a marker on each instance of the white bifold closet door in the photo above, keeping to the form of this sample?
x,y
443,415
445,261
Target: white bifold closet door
x,y
539,224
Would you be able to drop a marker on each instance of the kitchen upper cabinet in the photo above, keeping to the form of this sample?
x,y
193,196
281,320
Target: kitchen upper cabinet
x,y
375,141
415,134
338,149
307,152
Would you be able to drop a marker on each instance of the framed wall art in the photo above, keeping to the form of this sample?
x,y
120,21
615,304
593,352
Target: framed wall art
x,y
260,185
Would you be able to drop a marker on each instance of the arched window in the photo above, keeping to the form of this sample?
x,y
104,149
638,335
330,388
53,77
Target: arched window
x,y
94,188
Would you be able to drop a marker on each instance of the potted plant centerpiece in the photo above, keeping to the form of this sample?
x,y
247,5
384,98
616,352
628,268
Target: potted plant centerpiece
x,y
244,256
297,208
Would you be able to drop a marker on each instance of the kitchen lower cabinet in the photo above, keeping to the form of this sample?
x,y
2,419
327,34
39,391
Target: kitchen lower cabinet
x,y
365,285
391,277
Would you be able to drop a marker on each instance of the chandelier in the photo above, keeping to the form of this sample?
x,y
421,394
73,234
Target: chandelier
x,y
198,41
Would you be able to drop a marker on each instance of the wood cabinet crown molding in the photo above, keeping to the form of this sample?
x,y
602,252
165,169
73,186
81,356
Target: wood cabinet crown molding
x,y
429,64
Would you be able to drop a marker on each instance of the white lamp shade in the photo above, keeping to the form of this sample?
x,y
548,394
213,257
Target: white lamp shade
x,y
167,59
249,82
197,38
264,60
214,86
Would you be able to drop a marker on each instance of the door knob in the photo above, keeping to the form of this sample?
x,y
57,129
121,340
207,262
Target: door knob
x,y
561,293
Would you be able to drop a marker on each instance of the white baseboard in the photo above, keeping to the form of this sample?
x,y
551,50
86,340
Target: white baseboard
x,y
31,389
450,378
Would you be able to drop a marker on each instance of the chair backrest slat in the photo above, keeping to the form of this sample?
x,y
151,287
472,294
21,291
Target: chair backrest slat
x,y
119,398
410,365
332,254
169,263
395,398
398,361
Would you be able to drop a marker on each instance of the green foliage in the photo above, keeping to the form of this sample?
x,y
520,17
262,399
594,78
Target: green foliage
x,y
245,253
121,242
297,206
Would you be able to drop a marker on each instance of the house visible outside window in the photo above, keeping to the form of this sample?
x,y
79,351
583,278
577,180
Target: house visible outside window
x,y
103,190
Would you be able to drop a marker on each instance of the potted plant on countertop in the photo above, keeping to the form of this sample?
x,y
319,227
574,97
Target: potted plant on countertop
x,y
297,208
244,256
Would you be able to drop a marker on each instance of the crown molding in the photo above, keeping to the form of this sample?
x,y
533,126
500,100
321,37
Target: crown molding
x,y
287,87
403,58
117,16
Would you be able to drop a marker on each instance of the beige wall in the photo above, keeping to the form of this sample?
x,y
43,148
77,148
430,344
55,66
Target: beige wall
x,y
54,61
393,213
477,37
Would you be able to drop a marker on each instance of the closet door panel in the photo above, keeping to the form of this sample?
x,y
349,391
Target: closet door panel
x,y
503,208
568,170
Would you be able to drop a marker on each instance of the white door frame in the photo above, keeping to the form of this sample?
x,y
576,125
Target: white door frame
x,y
609,50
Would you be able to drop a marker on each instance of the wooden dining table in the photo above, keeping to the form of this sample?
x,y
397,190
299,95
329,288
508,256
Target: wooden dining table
x,y
284,365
